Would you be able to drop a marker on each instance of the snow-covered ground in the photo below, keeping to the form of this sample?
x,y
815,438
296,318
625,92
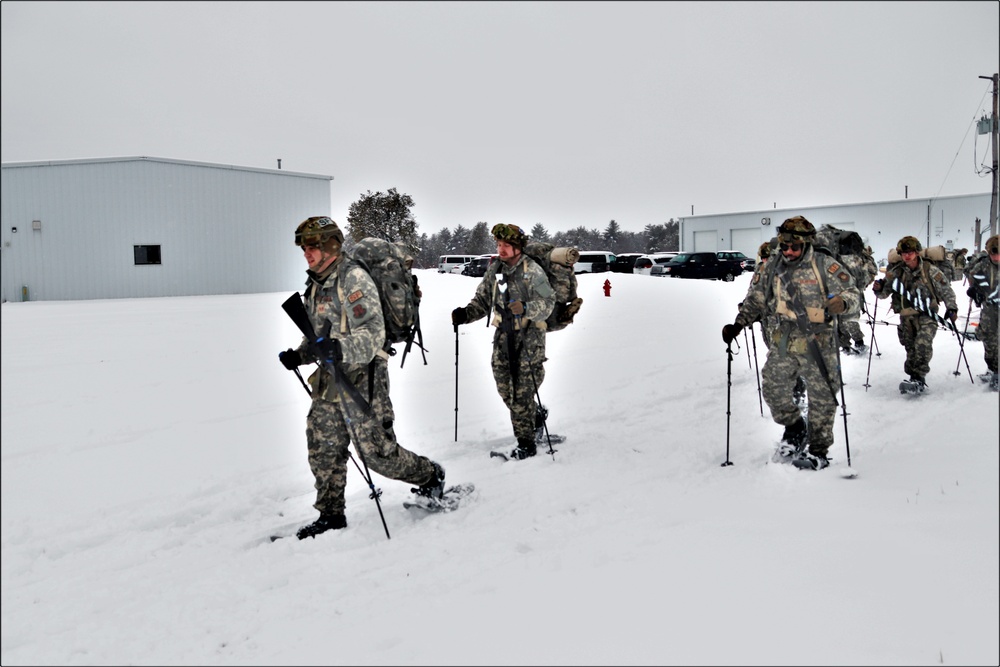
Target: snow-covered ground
x,y
150,446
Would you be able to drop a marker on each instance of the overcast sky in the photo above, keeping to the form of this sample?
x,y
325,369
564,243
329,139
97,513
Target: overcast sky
x,y
564,113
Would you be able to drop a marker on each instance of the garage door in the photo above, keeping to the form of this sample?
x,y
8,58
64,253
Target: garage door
x,y
748,241
705,241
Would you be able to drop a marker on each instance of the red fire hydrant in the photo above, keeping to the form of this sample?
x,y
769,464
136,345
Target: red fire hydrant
x,y
607,288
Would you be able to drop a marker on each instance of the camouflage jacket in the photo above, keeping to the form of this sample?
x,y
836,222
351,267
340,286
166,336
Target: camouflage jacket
x,y
920,283
816,276
526,282
981,273
344,301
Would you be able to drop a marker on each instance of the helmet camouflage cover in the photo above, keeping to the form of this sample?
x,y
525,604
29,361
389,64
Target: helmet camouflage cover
x,y
908,244
318,231
796,229
511,234
765,250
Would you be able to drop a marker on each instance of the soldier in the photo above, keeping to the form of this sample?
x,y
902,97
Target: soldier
x,y
984,286
516,289
802,290
342,299
861,265
917,288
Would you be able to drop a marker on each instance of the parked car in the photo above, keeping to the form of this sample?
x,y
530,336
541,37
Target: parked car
x,y
736,255
702,265
625,262
448,262
458,268
477,267
594,261
646,264
660,262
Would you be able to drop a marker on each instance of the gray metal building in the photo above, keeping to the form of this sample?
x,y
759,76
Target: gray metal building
x,y
947,221
148,227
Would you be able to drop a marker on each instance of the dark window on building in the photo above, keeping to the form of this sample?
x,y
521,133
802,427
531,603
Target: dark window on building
x,y
147,254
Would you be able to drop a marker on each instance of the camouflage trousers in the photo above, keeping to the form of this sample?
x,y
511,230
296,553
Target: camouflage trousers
x,y
789,358
916,335
987,333
330,428
850,330
519,395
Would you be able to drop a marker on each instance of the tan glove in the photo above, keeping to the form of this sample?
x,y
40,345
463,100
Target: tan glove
x,y
516,308
836,305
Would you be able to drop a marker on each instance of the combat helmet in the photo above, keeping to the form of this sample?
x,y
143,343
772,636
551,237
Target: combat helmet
x,y
511,234
764,251
319,231
908,244
993,243
796,229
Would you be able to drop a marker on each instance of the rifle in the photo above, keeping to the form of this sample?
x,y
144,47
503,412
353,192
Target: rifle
x,y
810,331
321,348
507,326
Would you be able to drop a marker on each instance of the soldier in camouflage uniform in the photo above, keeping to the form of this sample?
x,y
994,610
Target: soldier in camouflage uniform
x,y
916,288
984,290
822,289
862,266
343,303
517,291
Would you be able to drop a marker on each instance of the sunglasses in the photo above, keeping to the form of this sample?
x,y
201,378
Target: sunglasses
x,y
797,247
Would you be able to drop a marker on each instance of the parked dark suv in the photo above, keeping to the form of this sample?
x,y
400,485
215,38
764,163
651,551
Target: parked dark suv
x,y
702,265
623,263
477,267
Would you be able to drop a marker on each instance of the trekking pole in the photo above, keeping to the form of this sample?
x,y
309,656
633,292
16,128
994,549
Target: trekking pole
x,y
756,363
961,350
878,353
746,344
456,383
545,420
843,406
306,387
874,310
375,493
729,391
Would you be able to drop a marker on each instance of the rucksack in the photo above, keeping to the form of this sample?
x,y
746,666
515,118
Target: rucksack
x,y
558,266
849,248
389,265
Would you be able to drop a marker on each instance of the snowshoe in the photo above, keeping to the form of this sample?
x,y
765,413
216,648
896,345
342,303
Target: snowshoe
x,y
912,386
448,501
807,461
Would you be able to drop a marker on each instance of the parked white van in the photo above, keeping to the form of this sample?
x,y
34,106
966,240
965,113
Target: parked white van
x,y
448,262
594,261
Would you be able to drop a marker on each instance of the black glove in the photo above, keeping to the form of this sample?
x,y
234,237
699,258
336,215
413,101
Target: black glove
x,y
730,332
290,359
877,286
973,294
329,349
951,314
459,316
835,305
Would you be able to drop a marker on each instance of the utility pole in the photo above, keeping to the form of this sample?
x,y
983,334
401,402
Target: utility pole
x,y
996,151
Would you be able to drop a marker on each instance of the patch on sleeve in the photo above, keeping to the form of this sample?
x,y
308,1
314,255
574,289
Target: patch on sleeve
x,y
354,296
358,310
834,268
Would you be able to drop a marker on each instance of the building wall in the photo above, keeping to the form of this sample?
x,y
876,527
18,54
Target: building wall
x,y
221,229
947,221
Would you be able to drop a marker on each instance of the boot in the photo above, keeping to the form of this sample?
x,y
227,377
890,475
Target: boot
x,y
808,461
796,434
526,448
434,487
324,523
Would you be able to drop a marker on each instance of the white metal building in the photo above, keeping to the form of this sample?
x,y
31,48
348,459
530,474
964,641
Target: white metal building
x,y
147,227
947,221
